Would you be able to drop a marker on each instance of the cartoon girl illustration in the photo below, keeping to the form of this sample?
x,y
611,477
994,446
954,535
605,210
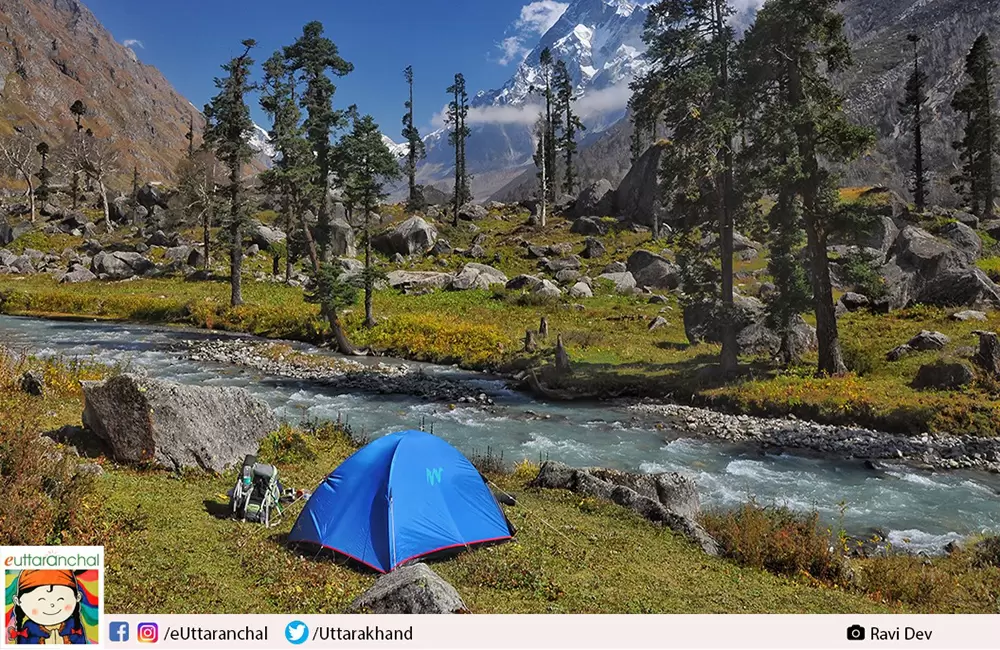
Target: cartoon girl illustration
x,y
47,608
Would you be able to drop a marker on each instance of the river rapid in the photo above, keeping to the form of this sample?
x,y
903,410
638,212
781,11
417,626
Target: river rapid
x,y
918,510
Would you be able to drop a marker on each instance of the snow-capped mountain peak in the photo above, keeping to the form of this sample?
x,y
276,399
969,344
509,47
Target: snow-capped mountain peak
x,y
400,150
260,141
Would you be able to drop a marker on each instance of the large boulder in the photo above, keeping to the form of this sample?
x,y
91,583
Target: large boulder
x,y
523,281
668,499
561,264
119,265
266,236
593,248
702,320
152,197
878,235
412,589
624,282
473,212
547,289
77,274
758,338
342,242
963,238
653,271
9,232
422,280
924,269
477,276
637,199
160,423
589,226
944,375
413,236
595,199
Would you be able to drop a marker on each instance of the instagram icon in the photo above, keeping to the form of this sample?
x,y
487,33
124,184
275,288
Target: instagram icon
x,y
148,632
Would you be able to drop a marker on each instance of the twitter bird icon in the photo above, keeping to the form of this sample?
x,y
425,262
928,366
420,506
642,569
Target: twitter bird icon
x,y
296,632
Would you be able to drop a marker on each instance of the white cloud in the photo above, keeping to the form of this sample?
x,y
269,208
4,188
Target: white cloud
x,y
513,50
536,18
132,42
605,100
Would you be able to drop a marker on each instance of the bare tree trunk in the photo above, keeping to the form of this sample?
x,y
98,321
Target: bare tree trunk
x,y
288,241
31,197
235,265
730,348
343,344
104,203
369,289
206,236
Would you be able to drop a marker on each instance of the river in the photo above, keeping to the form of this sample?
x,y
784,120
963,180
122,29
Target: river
x,y
919,510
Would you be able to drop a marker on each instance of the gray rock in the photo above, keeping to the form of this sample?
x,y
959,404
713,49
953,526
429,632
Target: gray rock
x,y
593,248
413,236
33,383
567,276
702,320
963,238
252,250
559,249
119,265
653,271
624,282
987,356
174,426
898,352
342,240
7,257
158,238
668,499
637,199
581,290
77,274
9,232
968,314
413,589
854,301
927,340
589,226
554,266
476,252
419,279
178,253
478,276
969,220
441,247
925,269
398,259
473,212
266,236
23,265
758,338
547,289
595,199
537,252
523,282
944,375
657,323
615,267
196,257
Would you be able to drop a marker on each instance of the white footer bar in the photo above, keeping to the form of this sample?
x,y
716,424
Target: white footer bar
x,y
550,631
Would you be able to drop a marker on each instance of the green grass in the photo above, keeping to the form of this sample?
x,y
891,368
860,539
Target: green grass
x,y
166,553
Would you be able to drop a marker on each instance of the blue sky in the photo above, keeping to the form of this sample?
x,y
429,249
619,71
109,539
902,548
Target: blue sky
x,y
484,39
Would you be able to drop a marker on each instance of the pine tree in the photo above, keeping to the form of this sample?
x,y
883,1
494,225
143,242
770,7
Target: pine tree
x,y
190,136
78,109
980,144
416,150
912,108
228,122
545,155
369,165
44,175
312,58
570,123
458,112
690,46
790,52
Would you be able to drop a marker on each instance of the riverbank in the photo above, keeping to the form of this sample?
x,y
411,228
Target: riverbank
x,y
925,451
613,352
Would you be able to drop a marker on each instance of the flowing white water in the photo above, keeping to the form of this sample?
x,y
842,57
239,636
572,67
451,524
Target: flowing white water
x,y
920,510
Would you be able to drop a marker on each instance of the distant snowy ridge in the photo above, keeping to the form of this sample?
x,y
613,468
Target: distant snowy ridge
x,y
399,150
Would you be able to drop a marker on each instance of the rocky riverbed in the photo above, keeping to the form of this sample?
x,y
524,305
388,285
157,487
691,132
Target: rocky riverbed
x,y
927,451
343,374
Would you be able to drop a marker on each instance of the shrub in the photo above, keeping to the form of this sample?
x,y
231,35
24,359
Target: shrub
x,y
987,552
861,270
286,445
909,580
858,359
777,539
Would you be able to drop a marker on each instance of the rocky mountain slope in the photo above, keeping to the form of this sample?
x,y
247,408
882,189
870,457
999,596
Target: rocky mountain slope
x,y
53,52
883,60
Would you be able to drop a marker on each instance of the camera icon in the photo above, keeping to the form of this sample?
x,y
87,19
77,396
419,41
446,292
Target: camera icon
x,y
855,633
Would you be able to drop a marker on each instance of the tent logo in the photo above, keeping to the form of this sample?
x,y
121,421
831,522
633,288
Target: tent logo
x,y
434,475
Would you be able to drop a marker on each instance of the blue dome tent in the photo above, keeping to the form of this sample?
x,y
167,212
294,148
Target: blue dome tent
x,y
401,497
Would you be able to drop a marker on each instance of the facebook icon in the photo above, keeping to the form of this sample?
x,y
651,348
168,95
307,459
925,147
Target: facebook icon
x,y
118,631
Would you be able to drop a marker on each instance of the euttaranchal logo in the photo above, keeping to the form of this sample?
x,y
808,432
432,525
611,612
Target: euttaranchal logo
x,y
52,595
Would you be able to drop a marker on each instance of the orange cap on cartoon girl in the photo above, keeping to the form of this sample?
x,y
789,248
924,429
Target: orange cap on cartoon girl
x,y
31,578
